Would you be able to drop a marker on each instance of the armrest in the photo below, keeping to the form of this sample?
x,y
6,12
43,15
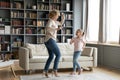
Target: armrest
x,y
24,58
95,53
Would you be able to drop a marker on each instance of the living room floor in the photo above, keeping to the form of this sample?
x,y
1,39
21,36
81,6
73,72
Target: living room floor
x,y
6,74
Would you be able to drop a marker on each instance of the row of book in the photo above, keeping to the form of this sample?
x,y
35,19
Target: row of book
x,y
5,30
30,15
40,23
43,6
40,39
47,7
41,31
17,14
35,23
17,31
28,31
55,1
68,31
5,4
17,44
17,5
31,31
68,16
21,15
5,39
65,31
31,23
68,23
54,6
40,6
17,22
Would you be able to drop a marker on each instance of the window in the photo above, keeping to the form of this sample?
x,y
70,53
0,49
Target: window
x,y
113,20
93,20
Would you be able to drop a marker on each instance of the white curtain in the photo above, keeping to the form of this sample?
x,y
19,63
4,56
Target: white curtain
x,y
85,16
113,21
93,20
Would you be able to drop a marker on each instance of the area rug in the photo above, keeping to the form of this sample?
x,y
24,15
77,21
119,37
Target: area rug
x,y
69,77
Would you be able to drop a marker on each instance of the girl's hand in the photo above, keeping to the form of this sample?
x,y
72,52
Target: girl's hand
x,y
71,41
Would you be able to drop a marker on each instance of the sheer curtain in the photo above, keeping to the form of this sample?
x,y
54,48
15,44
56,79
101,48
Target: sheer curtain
x,y
113,21
93,20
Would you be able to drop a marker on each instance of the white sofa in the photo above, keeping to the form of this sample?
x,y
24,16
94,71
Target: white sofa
x,y
34,56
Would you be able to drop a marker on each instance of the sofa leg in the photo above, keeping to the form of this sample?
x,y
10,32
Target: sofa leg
x,y
91,68
27,71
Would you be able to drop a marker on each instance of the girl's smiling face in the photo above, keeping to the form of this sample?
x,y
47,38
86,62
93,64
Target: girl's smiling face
x,y
79,33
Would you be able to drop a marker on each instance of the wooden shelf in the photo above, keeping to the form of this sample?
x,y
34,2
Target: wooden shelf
x,y
23,17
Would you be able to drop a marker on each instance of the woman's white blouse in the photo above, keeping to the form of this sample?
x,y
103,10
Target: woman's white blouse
x,y
51,29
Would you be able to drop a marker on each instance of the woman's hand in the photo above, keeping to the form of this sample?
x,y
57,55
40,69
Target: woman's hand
x,y
62,16
59,27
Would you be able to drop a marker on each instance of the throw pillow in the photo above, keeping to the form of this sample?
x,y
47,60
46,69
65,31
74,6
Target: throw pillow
x,y
31,48
88,51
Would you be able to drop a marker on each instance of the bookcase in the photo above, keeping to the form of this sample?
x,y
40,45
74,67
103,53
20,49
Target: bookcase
x,y
24,21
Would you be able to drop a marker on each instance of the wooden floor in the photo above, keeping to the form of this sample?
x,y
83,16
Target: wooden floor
x,y
6,74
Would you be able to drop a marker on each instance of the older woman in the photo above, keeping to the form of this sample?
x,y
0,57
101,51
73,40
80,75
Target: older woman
x,y
50,41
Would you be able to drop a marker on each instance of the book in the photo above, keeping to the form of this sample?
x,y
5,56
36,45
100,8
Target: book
x,y
2,31
7,30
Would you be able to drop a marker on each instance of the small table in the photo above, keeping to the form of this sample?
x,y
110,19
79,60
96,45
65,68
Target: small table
x,y
7,64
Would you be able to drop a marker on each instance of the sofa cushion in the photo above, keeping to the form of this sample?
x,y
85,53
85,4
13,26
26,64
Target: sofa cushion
x,y
66,49
88,51
37,49
41,59
81,58
41,50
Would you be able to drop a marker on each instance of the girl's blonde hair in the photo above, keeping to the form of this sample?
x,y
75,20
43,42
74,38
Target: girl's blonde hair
x,y
53,13
79,30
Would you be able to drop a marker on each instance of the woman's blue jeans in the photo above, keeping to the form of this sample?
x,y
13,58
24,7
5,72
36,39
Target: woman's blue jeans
x,y
75,60
53,49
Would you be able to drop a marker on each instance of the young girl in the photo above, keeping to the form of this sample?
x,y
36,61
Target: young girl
x,y
79,44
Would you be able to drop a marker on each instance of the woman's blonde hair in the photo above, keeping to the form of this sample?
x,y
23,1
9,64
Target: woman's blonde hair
x,y
53,13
